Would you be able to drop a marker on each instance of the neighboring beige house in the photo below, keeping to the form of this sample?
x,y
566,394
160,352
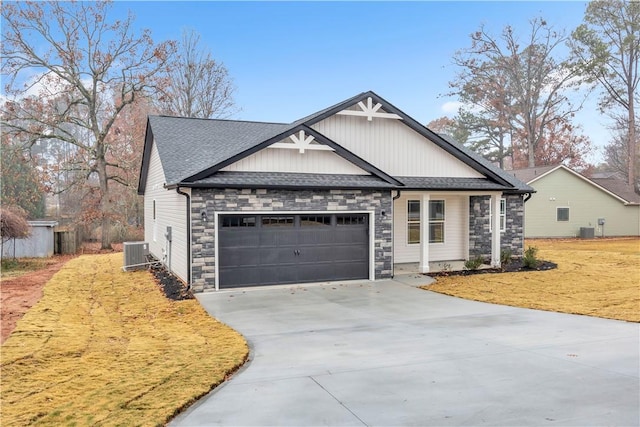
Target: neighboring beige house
x,y
566,202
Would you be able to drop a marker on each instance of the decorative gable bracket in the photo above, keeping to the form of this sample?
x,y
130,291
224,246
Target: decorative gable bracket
x,y
369,111
301,142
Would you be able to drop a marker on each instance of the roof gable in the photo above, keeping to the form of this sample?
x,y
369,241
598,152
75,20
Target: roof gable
x,y
611,186
193,149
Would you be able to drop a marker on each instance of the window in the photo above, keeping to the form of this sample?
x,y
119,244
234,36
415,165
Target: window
x,y
503,215
436,221
413,221
238,221
277,221
351,219
562,214
314,220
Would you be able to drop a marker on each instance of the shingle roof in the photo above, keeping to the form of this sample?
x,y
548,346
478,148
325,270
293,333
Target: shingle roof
x,y
187,146
529,174
517,183
618,187
289,180
194,150
445,183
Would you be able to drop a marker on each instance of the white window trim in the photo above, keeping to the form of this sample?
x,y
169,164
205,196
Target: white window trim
x,y
409,221
439,221
568,213
503,215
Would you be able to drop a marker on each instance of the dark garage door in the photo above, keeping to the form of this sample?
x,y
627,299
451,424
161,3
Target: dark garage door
x,y
279,249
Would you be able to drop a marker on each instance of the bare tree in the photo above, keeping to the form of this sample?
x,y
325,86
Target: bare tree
x,y
196,85
606,49
516,89
82,60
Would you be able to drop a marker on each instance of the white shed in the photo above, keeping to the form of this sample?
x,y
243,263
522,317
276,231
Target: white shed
x,y
38,245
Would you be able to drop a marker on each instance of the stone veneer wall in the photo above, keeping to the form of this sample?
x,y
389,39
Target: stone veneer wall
x,y
479,234
247,200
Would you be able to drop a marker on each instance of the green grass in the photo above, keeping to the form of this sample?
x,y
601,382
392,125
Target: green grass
x,y
106,347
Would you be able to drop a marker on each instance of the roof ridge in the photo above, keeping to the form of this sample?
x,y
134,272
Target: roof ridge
x,y
165,116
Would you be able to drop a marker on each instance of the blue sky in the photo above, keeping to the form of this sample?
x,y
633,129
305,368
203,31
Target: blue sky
x,y
289,59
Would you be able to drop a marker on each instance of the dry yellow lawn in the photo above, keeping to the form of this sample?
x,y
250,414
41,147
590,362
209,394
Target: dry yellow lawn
x,y
594,277
105,347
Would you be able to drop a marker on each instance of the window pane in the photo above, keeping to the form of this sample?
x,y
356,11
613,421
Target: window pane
x,y
414,233
562,214
351,219
413,210
277,221
314,220
436,210
436,232
238,221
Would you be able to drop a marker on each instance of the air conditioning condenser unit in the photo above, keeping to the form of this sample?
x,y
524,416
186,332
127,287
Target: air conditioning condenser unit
x,y
135,255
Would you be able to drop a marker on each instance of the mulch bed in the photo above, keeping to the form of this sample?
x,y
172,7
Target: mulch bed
x,y
172,287
513,267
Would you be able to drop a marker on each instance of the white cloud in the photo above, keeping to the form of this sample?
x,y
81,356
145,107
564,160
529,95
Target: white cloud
x,y
451,108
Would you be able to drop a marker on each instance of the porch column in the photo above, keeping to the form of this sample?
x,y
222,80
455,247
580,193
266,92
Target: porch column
x,y
424,234
495,227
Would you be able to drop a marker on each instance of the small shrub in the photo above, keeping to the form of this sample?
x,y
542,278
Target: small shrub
x,y
473,263
530,259
505,256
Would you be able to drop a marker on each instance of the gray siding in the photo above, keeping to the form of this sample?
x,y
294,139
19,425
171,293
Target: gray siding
x,y
263,200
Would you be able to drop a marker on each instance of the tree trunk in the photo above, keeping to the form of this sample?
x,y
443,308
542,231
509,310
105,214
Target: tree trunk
x,y
105,205
632,144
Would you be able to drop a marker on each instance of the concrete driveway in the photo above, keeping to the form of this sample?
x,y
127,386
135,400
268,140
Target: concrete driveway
x,y
388,354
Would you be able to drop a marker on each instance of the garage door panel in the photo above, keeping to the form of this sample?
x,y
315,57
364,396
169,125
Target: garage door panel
x,y
238,257
350,270
281,249
316,236
322,253
240,238
275,256
349,235
240,276
317,272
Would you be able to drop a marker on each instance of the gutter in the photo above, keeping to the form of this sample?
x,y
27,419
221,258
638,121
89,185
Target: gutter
x,y
188,235
393,237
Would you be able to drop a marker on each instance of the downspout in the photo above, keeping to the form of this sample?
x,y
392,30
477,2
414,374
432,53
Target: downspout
x,y
188,235
393,238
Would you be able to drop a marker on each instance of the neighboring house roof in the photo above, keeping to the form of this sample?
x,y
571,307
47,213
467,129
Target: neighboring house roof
x,y
612,186
530,174
620,188
193,152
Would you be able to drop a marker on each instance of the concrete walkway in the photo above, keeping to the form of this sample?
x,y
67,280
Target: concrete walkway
x,y
388,354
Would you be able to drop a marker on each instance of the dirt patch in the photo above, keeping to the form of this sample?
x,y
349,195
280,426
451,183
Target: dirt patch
x,y
19,294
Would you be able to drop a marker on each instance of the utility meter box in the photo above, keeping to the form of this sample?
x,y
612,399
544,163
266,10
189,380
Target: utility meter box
x,y
600,221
